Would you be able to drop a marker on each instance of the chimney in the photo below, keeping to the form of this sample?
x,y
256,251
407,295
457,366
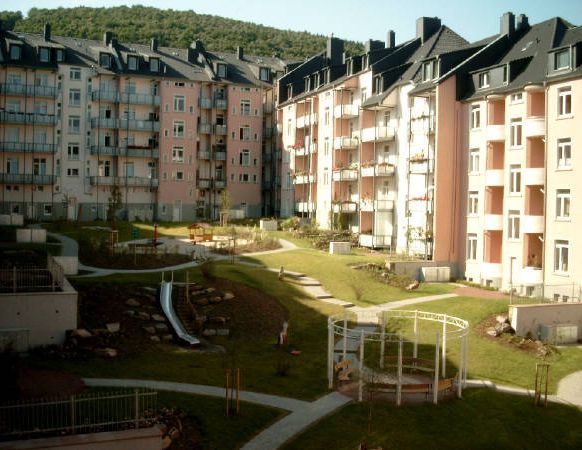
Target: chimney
x,y
240,53
335,48
426,27
154,45
107,38
113,43
192,54
507,24
198,45
521,22
47,32
371,45
391,39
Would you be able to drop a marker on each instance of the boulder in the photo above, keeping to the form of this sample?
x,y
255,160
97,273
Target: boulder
x,y
132,302
218,320
167,338
201,301
158,318
216,299
228,296
492,332
129,313
502,318
413,286
209,332
209,290
150,330
222,332
143,315
81,332
161,327
506,328
113,327
106,352
155,338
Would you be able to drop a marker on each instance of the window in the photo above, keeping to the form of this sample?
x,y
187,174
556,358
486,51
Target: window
x,y
179,176
562,59
514,179
471,246
74,124
515,131
221,70
12,165
47,209
44,54
325,176
40,107
72,172
483,80
154,65
178,154
75,97
326,116
264,74
179,128
245,158
73,152
179,103
564,101
245,133
564,153
245,107
561,254
13,106
14,78
363,94
474,160
429,70
243,177
517,98
132,62
475,116
513,225
128,169
563,204
41,79
15,52
473,203
105,60
326,146
75,73
60,55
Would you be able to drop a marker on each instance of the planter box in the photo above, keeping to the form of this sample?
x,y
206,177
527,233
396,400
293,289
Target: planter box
x,y
340,248
30,235
268,225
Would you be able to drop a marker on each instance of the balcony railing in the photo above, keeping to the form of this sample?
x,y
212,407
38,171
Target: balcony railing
x,y
494,177
26,178
139,125
140,99
375,240
28,118
123,181
105,96
122,151
495,133
345,175
376,205
304,207
219,184
29,147
205,128
378,134
381,170
346,111
219,156
345,207
304,178
306,120
203,183
267,132
344,142
220,130
203,154
534,127
220,103
205,103
29,90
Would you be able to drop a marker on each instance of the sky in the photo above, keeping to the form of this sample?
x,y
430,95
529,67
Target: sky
x,y
352,19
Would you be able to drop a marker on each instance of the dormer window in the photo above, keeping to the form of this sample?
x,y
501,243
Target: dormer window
x,y
105,60
483,80
264,74
132,62
378,85
44,54
15,52
60,55
562,59
221,70
154,65
429,70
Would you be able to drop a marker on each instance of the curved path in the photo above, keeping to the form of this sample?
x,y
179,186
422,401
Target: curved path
x,y
570,388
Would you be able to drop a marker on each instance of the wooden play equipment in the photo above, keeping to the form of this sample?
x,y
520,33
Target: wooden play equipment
x,y
542,376
200,232
232,392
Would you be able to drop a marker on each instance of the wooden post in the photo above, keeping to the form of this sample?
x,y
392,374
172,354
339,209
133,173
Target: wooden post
x,y
415,348
444,348
399,374
435,386
465,360
345,346
330,349
383,340
361,368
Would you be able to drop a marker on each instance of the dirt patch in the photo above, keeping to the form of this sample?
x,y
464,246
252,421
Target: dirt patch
x,y
39,383
470,291
128,261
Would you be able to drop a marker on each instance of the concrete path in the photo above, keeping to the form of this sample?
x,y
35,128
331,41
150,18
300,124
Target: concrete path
x,y
514,390
302,413
570,388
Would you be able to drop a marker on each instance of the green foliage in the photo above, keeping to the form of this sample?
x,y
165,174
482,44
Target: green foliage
x,y
9,19
138,24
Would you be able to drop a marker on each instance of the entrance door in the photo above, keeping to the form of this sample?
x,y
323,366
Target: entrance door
x,y
177,211
72,209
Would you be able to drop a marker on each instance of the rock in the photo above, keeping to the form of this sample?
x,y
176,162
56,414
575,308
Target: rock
x,y
106,352
149,289
161,327
150,330
217,319
492,332
167,338
209,332
129,313
222,332
174,433
209,290
216,299
143,315
201,301
228,296
154,338
501,318
413,286
166,442
506,328
112,327
150,298
158,318
82,333
132,302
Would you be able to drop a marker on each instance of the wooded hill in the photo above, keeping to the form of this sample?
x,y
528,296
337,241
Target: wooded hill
x,y
138,24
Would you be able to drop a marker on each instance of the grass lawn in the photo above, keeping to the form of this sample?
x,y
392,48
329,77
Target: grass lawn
x,y
483,419
216,430
340,280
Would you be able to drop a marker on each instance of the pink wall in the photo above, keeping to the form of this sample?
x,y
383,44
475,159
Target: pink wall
x,y
493,246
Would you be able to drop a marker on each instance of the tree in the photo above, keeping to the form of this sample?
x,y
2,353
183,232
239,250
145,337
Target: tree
x,y
114,204
10,19
225,205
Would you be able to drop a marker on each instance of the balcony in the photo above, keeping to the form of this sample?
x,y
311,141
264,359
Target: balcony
x,y
28,90
102,122
141,152
491,270
534,127
378,134
374,241
345,207
220,130
203,183
219,155
123,181
267,132
306,120
267,157
493,222
494,177
220,103
345,142
28,147
140,99
139,125
28,118
304,207
419,167
495,133
205,103
304,178
105,96
348,111
203,154
26,178
380,170
205,128
529,276
532,224
267,108
533,176
219,184
376,205
345,175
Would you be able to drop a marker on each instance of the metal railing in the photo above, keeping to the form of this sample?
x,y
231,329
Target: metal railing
x,y
26,178
32,278
20,117
85,413
28,89
520,294
30,147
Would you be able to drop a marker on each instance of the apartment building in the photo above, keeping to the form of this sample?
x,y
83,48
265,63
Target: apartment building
x,y
160,132
522,167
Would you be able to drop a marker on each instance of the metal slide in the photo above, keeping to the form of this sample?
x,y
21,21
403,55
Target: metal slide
x,y
168,308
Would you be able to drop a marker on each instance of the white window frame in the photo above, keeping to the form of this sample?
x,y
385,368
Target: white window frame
x,y
154,65
513,225
474,160
515,179
245,107
178,155
561,256
564,153
472,246
245,157
516,132
75,97
563,204
475,122
517,97
179,128
483,80
245,133
557,55
75,73
73,151
565,102
179,103
132,62
473,207
74,123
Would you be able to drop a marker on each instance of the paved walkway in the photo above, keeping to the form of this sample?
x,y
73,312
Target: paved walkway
x,y
302,413
570,388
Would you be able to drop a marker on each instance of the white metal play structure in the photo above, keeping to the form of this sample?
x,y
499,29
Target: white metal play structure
x,y
349,333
